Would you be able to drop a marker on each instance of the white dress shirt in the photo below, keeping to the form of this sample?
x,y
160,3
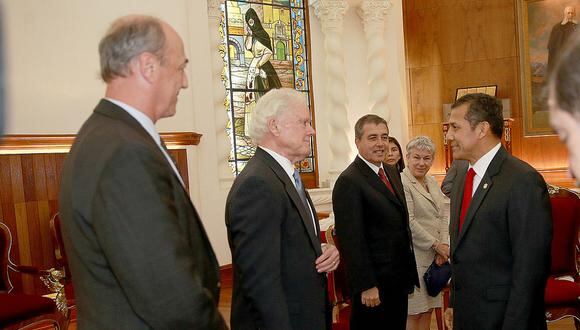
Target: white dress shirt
x,y
481,166
374,167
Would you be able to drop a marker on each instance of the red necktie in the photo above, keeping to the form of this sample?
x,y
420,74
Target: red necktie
x,y
467,192
385,181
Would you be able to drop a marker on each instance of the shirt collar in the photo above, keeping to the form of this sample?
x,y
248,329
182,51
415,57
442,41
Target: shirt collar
x,y
283,161
373,167
140,117
482,163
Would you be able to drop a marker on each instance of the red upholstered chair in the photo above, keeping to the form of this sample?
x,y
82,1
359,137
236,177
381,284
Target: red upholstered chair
x,y
21,310
62,260
562,295
338,288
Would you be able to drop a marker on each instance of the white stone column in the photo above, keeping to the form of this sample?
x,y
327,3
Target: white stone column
x,y
223,145
331,14
373,14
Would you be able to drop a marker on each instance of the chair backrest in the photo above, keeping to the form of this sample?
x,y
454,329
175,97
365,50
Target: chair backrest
x,y
342,291
59,251
566,227
5,246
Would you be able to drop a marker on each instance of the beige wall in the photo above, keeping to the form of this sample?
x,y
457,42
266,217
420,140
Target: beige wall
x,y
53,84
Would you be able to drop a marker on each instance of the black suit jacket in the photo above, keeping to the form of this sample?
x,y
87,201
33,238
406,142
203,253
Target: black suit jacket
x,y
274,248
501,258
138,252
372,226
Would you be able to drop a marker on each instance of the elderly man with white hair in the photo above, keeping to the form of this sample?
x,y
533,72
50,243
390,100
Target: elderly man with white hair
x,y
279,264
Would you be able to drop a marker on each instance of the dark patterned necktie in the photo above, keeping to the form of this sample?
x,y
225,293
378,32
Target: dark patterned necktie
x,y
302,194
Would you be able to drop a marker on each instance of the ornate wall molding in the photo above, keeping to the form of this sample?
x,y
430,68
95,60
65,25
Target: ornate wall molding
x,y
330,13
373,13
65,141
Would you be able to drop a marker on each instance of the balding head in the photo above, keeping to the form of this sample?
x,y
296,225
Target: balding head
x,y
128,37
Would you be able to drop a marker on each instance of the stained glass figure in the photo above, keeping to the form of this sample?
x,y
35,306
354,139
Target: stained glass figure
x,y
264,47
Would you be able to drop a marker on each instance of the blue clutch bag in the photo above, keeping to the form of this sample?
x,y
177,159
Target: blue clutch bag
x,y
437,277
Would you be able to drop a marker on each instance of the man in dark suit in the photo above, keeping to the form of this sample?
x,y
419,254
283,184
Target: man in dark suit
x,y
138,252
372,225
500,226
279,264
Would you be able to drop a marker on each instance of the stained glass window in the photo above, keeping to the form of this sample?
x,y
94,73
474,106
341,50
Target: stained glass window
x,y
265,47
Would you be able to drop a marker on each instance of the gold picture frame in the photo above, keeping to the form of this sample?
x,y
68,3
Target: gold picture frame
x,y
489,90
536,21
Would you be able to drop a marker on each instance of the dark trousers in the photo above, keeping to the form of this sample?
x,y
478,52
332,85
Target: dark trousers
x,y
390,314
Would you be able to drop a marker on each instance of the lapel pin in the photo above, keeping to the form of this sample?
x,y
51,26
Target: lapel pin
x,y
485,186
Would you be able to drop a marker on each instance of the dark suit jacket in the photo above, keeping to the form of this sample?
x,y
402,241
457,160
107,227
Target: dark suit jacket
x,y
501,258
372,226
274,248
138,252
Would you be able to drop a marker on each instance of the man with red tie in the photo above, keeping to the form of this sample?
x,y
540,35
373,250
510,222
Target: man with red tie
x,y
500,226
372,225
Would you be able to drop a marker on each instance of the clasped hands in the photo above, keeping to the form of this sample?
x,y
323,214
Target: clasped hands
x,y
442,251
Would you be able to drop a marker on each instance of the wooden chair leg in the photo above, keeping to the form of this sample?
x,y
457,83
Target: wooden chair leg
x,y
439,317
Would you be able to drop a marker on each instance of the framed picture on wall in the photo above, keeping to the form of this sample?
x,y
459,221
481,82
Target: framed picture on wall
x,y
544,27
489,90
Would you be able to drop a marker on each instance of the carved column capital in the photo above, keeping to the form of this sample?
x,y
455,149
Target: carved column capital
x,y
330,13
373,13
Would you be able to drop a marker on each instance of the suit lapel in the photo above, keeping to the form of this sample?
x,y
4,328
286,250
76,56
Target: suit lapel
x,y
418,188
374,180
294,197
456,196
481,192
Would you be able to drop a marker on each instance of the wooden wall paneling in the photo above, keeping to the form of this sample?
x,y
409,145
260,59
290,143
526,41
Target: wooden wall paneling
x,y
39,177
21,239
180,158
5,181
47,247
460,43
27,170
29,191
435,132
458,31
16,179
427,95
52,172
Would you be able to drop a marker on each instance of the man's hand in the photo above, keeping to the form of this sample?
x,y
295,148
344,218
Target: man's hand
x,y
328,260
449,318
370,297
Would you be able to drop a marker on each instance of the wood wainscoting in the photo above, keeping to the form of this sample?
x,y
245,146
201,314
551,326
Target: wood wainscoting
x,y
30,170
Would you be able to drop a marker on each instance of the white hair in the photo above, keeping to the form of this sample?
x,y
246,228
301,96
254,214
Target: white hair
x,y
421,143
272,104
